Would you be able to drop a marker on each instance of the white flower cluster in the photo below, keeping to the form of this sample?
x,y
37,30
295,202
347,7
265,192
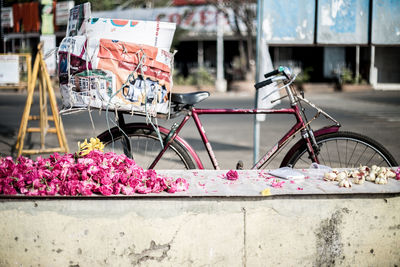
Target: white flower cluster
x,y
378,175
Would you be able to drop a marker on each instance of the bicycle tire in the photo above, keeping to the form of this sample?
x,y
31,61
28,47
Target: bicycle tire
x,y
343,150
145,146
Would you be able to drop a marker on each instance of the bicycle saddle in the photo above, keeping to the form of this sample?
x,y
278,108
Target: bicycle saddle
x,y
189,98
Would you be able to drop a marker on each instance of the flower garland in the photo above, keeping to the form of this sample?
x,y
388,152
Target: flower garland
x,y
84,174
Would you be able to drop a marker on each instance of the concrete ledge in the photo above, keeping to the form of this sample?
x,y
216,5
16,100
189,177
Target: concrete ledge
x,y
320,225
291,231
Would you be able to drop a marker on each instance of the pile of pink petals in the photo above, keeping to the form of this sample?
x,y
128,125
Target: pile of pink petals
x,y
69,175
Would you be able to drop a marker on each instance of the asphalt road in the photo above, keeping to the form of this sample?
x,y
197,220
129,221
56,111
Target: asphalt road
x,y
373,113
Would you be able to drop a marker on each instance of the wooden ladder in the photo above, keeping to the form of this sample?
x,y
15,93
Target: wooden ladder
x,y
45,87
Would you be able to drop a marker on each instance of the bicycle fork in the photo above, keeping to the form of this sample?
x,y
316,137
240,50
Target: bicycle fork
x,y
312,146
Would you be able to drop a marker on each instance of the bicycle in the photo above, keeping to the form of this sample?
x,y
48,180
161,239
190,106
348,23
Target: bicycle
x,y
165,149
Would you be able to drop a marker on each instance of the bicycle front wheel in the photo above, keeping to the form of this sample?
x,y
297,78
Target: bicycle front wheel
x,y
144,146
343,150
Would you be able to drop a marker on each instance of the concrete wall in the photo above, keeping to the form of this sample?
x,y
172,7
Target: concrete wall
x,y
286,230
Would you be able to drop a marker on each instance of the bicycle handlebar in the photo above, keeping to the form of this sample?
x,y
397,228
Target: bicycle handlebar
x,y
281,70
262,84
272,73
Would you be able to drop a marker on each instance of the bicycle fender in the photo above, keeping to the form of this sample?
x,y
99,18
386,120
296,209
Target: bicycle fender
x,y
189,148
319,132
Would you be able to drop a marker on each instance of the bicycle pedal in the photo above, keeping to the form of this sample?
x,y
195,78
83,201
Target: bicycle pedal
x,y
239,165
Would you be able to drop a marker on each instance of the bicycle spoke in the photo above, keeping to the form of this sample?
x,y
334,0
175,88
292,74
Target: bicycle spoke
x,y
304,160
382,161
360,156
337,148
329,156
145,153
351,150
347,142
323,158
371,158
351,156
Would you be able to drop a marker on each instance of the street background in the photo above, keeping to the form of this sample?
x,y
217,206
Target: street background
x,y
372,113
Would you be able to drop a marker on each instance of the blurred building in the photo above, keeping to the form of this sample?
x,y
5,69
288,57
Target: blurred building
x,y
330,40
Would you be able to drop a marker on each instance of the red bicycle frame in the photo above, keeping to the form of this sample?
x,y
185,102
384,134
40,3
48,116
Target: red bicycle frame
x,y
194,112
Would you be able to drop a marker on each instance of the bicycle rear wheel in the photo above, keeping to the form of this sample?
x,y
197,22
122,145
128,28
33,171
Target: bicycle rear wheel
x,y
343,150
145,146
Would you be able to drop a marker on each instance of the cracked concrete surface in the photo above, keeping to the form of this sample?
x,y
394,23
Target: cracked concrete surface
x,y
296,230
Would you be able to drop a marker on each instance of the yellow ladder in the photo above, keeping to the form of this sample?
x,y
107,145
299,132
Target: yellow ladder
x,y
45,87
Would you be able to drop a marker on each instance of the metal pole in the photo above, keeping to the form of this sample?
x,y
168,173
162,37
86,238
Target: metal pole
x,y
221,82
3,48
200,54
256,145
373,79
357,63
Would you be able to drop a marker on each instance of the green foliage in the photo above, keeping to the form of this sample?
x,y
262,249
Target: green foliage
x,y
203,77
199,77
305,75
346,76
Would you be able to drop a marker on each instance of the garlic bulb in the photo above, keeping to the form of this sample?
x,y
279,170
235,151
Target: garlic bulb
x,y
341,175
380,180
376,174
330,176
390,174
354,173
364,169
345,183
371,176
359,180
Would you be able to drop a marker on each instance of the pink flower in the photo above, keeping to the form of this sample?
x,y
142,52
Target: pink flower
x,y
51,189
151,174
85,188
127,190
172,188
9,190
169,184
123,179
69,174
132,182
106,190
74,187
117,188
106,181
143,189
181,185
232,175
397,173
23,190
150,182
33,192
158,186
